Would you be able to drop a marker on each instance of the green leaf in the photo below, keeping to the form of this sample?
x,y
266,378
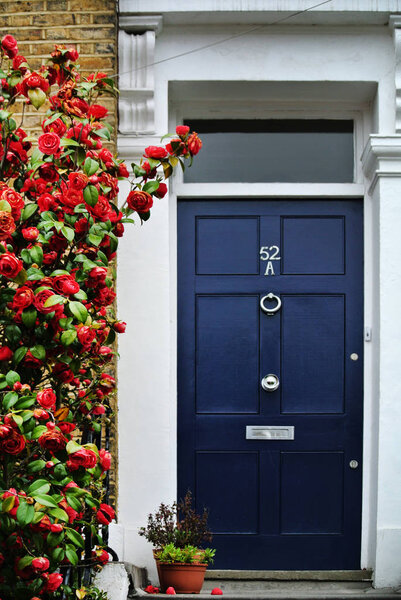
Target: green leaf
x,y
17,419
28,316
53,300
81,295
13,333
37,432
153,163
12,377
74,502
25,513
36,465
59,513
45,500
25,561
25,402
54,539
36,254
20,353
8,504
138,171
9,400
68,233
40,486
75,537
21,277
94,239
151,186
73,447
67,337
103,133
101,255
58,555
90,165
91,195
71,555
38,352
5,206
78,310
68,142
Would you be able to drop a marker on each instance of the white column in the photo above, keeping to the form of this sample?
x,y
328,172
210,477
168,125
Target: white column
x,y
382,165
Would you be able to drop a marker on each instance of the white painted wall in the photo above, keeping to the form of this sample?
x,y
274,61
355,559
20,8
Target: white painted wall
x,y
347,63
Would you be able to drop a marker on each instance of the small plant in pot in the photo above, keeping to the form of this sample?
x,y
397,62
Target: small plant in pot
x,y
178,533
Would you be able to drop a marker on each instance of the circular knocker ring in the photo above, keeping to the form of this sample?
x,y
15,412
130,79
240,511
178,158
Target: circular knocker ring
x,y
270,311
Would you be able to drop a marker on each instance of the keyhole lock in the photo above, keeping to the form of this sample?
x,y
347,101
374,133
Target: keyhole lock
x,y
270,382
353,464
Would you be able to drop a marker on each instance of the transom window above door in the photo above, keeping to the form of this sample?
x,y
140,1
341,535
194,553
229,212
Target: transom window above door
x,y
274,150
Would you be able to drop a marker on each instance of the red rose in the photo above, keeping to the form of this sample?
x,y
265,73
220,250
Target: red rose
x,y
40,564
19,63
5,431
52,440
46,202
14,199
7,225
23,297
31,361
86,335
40,414
100,556
33,81
176,147
105,459
9,45
105,514
97,111
182,130
77,107
47,399
194,143
13,444
63,372
65,284
104,297
72,54
49,143
78,181
56,528
30,233
97,276
140,201
102,209
40,300
58,126
155,152
66,427
161,190
10,265
53,582
82,458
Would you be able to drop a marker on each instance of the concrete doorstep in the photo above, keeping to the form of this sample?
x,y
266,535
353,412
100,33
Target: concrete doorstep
x,y
123,582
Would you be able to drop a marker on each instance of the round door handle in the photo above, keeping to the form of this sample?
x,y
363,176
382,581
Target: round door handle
x,y
270,382
274,309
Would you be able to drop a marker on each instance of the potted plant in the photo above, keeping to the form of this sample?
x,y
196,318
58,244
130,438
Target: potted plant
x,y
177,533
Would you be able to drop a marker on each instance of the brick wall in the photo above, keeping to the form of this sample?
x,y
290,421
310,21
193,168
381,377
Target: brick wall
x,y
88,25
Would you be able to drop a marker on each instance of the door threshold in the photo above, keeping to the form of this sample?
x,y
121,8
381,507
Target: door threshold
x,y
358,575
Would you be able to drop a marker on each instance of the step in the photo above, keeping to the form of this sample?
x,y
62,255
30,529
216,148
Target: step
x,y
230,574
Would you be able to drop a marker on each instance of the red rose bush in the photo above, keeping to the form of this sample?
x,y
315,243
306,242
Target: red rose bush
x,y
60,223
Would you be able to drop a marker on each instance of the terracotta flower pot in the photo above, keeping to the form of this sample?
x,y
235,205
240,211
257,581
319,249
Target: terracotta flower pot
x,y
184,578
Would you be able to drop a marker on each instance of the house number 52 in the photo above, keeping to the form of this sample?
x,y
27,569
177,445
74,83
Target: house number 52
x,y
269,253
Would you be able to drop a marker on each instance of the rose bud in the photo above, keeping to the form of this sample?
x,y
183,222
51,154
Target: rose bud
x,y
171,591
40,564
5,353
17,386
5,431
56,528
41,414
182,130
216,592
120,326
50,425
49,464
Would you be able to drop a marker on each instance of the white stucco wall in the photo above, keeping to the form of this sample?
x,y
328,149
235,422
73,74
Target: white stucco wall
x,y
344,60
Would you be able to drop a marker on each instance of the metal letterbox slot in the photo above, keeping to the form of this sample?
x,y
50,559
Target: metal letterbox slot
x,y
269,432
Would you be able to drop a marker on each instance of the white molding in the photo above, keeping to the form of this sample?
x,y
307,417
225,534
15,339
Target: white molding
x,y
381,158
269,190
131,147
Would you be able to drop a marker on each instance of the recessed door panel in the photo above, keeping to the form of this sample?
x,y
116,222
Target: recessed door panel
x,y
270,310
312,350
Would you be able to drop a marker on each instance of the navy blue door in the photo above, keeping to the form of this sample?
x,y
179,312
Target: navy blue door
x,y
288,497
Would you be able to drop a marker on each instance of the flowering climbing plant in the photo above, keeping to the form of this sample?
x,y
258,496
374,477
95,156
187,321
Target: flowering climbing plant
x,y
60,224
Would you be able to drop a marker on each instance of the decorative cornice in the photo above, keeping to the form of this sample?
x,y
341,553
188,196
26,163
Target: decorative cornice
x,y
140,24
130,147
381,158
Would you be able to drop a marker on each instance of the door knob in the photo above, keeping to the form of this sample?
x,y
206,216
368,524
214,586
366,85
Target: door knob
x,y
272,298
270,382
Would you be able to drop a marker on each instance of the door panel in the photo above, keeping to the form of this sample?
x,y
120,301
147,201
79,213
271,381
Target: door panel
x,y
274,503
